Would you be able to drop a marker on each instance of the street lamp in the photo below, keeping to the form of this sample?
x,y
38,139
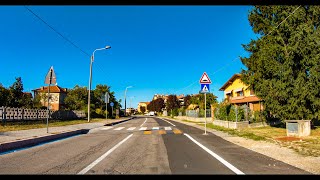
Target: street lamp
x,y
90,78
125,101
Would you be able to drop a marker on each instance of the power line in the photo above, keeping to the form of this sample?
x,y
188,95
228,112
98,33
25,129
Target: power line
x,y
244,52
56,31
65,38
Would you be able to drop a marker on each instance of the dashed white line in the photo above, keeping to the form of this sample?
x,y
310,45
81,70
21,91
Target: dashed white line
x,y
103,156
169,122
155,128
143,122
143,128
230,166
131,128
167,128
119,128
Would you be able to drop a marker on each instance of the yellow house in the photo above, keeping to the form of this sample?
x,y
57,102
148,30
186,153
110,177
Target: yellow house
x,y
143,104
237,92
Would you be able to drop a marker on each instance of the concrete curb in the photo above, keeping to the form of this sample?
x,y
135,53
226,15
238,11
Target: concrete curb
x,y
7,146
113,123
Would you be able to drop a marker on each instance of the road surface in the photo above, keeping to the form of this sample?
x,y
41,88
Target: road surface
x,y
143,145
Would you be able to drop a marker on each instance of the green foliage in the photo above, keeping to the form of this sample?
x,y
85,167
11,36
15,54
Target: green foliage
x,y
187,100
226,111
77,98
199,100
283,67
14,96
4,96
143,109
172,102
156,105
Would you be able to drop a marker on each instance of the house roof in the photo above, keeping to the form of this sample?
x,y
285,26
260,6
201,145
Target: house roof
x,y
144,103
245,100
53,89
230,81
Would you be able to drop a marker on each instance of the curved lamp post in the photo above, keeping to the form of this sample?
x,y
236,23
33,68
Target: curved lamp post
x,y
125,101
90,78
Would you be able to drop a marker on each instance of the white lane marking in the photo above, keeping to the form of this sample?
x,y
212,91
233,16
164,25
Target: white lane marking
x,y
144,122
119,128
131,128
169,122
167,128
143,128
230,166
106,128
155,128
103,156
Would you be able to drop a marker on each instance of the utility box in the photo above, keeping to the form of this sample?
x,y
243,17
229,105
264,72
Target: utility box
x,y
298,127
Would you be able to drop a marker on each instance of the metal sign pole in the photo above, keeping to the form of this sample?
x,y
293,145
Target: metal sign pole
x,y
50,79
205,113
48,109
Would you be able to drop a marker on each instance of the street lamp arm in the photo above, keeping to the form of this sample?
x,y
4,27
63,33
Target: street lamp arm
x,y
90,78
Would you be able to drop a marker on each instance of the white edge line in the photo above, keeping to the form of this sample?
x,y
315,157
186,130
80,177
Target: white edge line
x,y
103,156
168,122
143,122
230,166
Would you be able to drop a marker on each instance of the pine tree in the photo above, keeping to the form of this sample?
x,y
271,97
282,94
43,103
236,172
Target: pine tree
x,y
283,66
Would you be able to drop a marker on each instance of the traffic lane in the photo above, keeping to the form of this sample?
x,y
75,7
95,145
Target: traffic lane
x,y
143,153
246,160
186,157
66,156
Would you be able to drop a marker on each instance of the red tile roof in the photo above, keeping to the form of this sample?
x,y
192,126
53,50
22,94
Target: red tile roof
x,y
53,89
245,99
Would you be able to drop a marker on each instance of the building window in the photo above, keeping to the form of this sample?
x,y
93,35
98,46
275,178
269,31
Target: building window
x,y
239,93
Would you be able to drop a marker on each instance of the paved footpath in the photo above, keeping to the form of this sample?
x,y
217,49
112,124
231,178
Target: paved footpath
x,y
13,136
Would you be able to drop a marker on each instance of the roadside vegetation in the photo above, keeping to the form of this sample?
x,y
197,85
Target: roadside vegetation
x,y
307,146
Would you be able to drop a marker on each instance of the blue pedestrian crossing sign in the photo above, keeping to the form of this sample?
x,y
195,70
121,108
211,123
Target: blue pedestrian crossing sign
x,y
205,88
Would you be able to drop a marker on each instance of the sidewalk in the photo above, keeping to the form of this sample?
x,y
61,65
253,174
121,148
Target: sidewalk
x,y
23,138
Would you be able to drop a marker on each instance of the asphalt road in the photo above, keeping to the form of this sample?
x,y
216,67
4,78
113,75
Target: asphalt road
x,y
144,145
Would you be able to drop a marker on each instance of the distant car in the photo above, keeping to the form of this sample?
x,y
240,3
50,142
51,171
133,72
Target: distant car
x,y
152,113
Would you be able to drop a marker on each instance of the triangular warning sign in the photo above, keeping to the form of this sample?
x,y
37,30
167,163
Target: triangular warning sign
x,y
205,89
205,79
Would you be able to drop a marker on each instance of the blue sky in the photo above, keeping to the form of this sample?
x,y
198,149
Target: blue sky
x,y
155,49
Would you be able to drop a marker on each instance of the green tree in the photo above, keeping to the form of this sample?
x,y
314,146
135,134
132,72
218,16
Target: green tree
x,y
143,109
283,65
77,99
26,100
156,105
187,100
172,102
16,93
199,100
4,96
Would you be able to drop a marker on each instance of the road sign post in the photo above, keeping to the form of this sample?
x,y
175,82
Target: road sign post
x,y
111,104
106,100
205,88
50,79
